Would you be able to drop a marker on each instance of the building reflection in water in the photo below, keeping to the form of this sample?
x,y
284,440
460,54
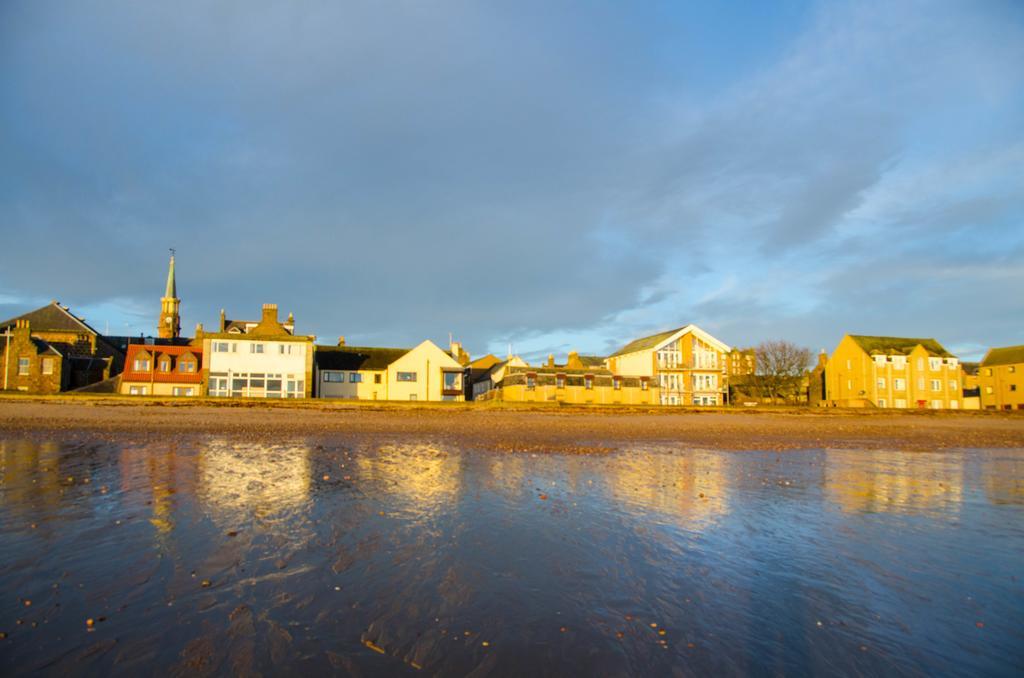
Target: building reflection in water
x,y
238,480
691,489
867,481
154,474
32,475
422,477
1004,480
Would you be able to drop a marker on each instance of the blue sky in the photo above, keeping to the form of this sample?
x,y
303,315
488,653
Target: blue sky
x,y
552,175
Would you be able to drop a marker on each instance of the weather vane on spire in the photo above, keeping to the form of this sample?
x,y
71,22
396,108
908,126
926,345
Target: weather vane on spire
x,y
172,250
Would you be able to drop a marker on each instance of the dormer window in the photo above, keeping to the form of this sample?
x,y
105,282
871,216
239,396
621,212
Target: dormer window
x,y
165,364
141,364
186,366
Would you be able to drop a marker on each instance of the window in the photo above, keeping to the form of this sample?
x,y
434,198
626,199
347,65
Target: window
x,y
255,348
936,384
412,396
643,384
355,378
182,391
849,364
954,405
953,385
881,402
988,371
899,362
881,382
988,390
920,383
1013,387
452,381
284,349
165,365
920,363
376,378
334,376
221,347
186,366
560,381
406,376
936,404
1011,369
588,382
23,366
141,365
934,364
952,362
617,384
899,384
900,403
880,360
531,382
849,384
137,390
47,365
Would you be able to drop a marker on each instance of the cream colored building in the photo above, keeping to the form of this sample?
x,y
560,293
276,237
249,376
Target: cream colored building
x,y
423,373
688,365
1001,379
892,372
263,359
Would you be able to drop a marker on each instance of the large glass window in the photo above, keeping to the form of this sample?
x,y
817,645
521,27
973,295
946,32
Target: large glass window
x,y
406,376
47,365
355,378
255,348
141,365
452,381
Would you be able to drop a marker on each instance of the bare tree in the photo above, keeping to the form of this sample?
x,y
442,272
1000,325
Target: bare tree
x,y
781,366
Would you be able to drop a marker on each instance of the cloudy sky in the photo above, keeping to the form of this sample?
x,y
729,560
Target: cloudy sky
x,y
554,174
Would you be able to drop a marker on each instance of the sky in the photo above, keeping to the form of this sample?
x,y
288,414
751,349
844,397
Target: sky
x,y
552,175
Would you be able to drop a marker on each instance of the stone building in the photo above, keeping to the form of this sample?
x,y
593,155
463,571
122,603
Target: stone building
x,y
50,349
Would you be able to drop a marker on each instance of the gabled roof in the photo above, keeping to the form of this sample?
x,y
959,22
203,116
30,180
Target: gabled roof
x,y
51,318
970,369
592,360
1008,355
655,341
356,357
46,348
484,362
898,345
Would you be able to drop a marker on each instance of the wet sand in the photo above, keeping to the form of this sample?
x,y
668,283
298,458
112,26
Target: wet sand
x,y
535,429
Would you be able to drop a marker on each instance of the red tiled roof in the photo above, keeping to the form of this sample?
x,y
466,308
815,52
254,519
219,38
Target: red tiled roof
x,y
156,376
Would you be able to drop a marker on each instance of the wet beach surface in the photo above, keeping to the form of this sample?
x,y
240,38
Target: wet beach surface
x,y
207,554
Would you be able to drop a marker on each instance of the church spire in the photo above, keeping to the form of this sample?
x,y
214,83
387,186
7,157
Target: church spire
x,y
172,288
169,326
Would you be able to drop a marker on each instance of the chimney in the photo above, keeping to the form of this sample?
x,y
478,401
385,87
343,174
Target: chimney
x,y
291,318
21,328
199,330
223,321
341,340
269,312
551,359
574,361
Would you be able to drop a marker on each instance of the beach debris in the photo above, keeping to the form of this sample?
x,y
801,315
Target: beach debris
x,y
373,646
90,623
543,497
206,583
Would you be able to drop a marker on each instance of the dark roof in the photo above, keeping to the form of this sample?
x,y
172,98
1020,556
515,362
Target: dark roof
x,y
46,348
1008,355
53,318
484,362
356,357
898,345
560,369
646,342
592,360
970,368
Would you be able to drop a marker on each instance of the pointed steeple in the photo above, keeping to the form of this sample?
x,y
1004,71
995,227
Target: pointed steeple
x,y
169,326
172,288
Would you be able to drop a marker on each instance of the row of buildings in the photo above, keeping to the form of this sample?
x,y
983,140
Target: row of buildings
x,y
51,350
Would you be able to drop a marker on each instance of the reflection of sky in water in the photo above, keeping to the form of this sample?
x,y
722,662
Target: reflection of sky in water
x,y
234,556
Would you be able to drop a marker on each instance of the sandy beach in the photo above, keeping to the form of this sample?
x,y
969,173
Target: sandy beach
x,y
520,429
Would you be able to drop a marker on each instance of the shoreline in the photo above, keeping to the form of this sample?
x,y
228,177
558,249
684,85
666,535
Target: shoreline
x,y
534,428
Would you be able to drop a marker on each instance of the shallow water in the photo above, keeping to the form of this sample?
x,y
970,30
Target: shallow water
x,y
206,555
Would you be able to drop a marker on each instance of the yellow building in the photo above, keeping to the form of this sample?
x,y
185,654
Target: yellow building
x,y
425,372
581,380
896,372
1000,379
687,365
